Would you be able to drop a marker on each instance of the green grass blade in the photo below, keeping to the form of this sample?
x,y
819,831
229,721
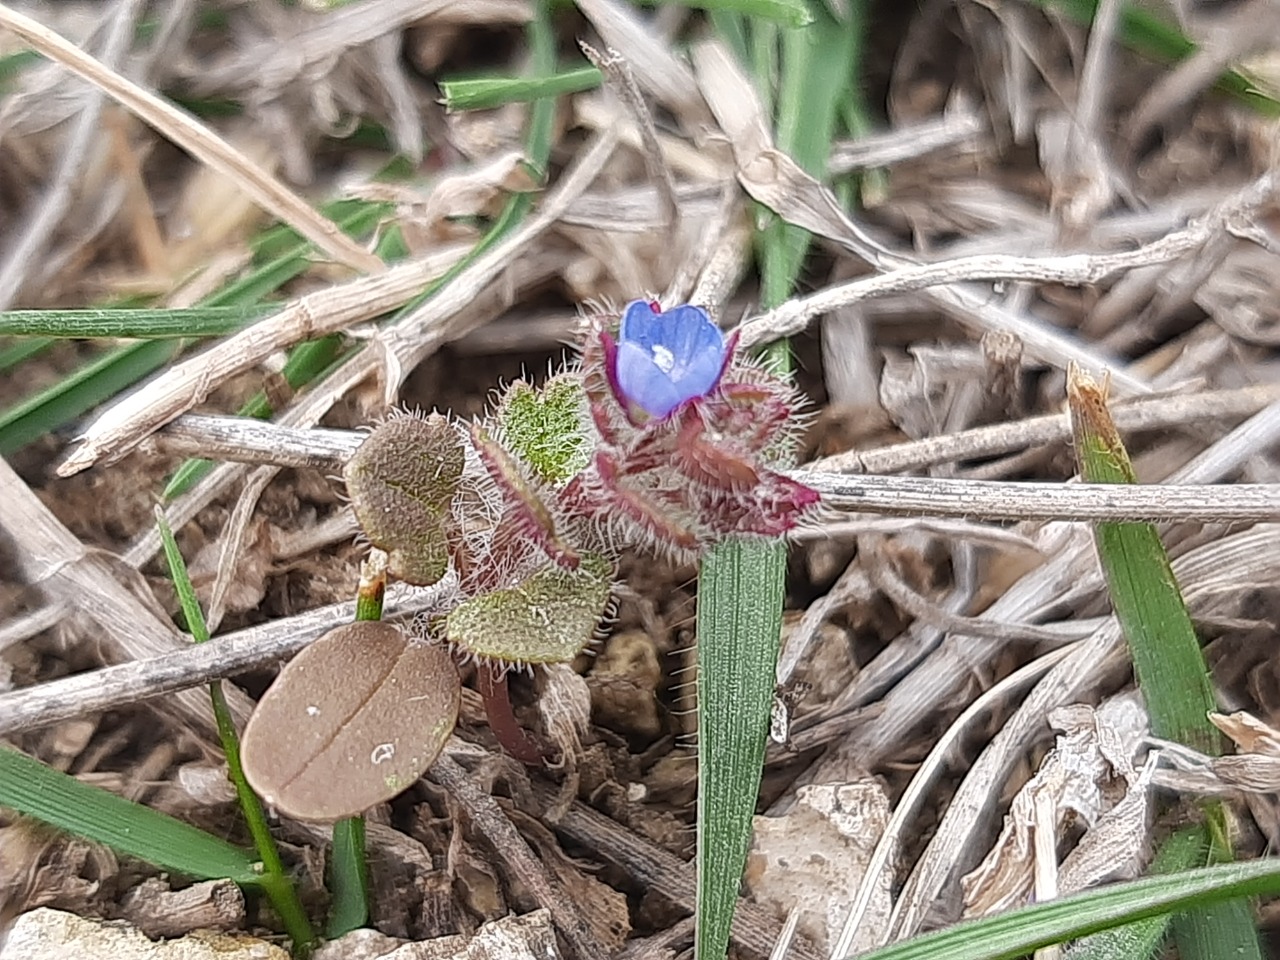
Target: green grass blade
x,y
80,392
1141,939
103,378
482,93
741,583
348,878
130,324
1019,932
24,349
740,594
274,881
787,13
348,868
1167,660
1170,668
29,787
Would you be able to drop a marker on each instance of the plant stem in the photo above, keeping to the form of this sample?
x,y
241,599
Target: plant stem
x,y
277,885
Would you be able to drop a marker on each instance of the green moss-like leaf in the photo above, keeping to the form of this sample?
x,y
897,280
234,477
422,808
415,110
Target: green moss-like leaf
x,y
546,428
402,481
547,618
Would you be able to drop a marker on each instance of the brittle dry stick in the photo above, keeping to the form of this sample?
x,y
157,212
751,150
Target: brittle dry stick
x,y
911,496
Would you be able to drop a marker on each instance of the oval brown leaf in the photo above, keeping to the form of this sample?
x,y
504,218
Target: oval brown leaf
x,y
352,721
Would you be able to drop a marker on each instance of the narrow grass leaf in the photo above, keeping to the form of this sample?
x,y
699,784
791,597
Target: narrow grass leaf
x,y
1167,660
30,787
23,349
1019,932
275,882
77,394
130,324
348,864
120,368
788,13
348,878
483,93
741,583
740,594
1141,939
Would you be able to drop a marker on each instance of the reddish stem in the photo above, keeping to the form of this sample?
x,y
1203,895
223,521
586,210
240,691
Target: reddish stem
x,y
502,717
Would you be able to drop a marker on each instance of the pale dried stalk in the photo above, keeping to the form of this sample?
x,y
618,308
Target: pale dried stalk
x,y
617,73
922,783
880,568
86,132
51,559
957,127
1068,579
1074,269
1203,573
186,667
1144,413
198,140
995,500
487,817
398,348
912,496
183,385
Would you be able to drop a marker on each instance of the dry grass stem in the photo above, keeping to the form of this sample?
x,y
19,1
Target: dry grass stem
x,y
957,128
622,82
487,817
85,134
925,777
1143,413
52,559
183,668
198,140
1076,269
181,386
1202,573
912,496
890,582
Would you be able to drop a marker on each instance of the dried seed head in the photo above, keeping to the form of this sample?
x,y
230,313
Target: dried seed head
x,y
402,481
548,617
350,722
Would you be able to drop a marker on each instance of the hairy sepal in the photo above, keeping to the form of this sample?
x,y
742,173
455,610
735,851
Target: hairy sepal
x,y
526,510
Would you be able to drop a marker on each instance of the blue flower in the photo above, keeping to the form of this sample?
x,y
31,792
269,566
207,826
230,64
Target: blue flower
x,y
664,359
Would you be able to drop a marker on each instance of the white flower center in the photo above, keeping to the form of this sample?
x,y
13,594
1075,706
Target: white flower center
x,y
664,358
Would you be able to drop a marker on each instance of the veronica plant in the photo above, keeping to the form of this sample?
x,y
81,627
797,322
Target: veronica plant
x,y
661,437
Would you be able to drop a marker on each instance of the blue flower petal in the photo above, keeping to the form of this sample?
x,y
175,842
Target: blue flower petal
x,y
645,383
667,358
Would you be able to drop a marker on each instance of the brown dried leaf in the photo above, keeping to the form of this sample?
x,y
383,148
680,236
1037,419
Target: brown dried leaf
x,y
1097,745
352,721
1248,733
